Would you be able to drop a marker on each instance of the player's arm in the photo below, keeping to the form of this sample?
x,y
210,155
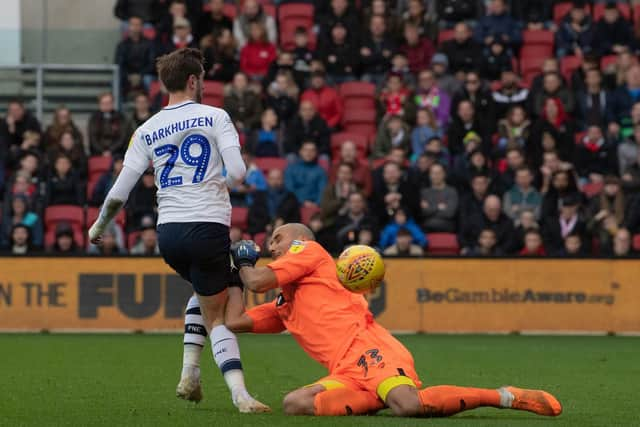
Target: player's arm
x,y
258,279
136,161
228,143
261,319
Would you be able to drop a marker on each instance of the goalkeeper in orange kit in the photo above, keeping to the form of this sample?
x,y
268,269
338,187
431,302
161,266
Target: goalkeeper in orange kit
x,y
368,368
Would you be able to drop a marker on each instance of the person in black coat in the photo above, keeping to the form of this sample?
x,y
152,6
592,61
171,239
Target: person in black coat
x,y
593,104
213,21
376,51
142,202
556,228
492,218
63,186
465,122
473,202
357,219
462,51
135,57
16,122
596,156
273,203
307,125
339,55
613,34
391,193
482,99
339,11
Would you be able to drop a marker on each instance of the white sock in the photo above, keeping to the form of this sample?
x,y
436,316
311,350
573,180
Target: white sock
x,y
226,353
195,337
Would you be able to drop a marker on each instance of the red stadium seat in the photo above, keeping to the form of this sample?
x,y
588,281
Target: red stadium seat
x,y
636,242
307,212
568,65
560,10
155,91
636,14
598,11
536,51
92,215
239,217
260,238
213,93
265,164
578,136
357,90
361,141
607,61
269,9
537,37
592,189
443,244
98,166
229,10
132,239
70,214
530,67
295,10
359,104
363,122
445,35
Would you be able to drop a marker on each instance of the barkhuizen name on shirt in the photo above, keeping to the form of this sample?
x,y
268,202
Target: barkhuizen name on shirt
x,y
169,130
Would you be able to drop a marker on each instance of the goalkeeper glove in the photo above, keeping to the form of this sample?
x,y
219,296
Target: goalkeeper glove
x,y
244,253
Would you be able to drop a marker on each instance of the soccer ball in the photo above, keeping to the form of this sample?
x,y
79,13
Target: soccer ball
x,y
360,268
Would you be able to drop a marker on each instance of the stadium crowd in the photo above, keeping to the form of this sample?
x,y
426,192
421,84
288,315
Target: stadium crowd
x,y
481,128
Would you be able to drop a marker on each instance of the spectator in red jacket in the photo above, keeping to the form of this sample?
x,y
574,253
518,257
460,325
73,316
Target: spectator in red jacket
x,y
258,54
533,246
419,50
325,98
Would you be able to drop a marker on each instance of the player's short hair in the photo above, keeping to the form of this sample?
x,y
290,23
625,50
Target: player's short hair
x,y
175,68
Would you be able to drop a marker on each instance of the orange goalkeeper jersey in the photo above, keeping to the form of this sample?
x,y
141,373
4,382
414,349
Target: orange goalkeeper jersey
x,y
321,315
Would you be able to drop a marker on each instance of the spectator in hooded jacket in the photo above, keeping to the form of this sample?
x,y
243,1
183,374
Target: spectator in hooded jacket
x,y
325,98
305,178
252,13
258,53
498,25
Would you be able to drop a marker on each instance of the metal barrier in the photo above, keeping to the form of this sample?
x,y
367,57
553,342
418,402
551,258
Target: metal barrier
x,y
40,69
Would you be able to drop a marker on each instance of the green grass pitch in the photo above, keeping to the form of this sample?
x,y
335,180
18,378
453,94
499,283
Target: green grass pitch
x,y
118,380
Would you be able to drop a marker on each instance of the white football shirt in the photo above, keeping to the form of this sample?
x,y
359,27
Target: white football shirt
x,y
184,142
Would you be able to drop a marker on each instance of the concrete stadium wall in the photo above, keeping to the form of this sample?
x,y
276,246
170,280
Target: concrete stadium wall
x,y
68,31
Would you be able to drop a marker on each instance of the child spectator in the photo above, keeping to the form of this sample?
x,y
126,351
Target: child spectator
x,y
64,243
404,246
532,244
112,242
429,95
257,55
401,221
572,246
20,240
394,97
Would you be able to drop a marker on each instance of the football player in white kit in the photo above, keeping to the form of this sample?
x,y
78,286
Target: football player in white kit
x,y
189,144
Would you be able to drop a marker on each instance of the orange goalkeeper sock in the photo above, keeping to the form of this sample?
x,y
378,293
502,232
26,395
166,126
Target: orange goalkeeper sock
x,y
343,401
445,400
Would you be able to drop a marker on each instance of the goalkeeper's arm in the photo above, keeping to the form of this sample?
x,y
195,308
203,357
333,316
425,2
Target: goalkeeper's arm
x,y
114,201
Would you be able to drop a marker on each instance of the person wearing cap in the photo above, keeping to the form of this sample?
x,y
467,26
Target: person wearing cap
x,y
462,52
339,55
64,243
555,229
613,33
325,98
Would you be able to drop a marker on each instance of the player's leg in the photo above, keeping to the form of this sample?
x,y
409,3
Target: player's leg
x,y
330,397
194,340
446,400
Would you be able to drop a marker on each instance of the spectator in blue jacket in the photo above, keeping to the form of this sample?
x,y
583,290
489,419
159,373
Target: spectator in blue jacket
x,y
498,25
401,221
254,180
305,178
622,101
575,34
